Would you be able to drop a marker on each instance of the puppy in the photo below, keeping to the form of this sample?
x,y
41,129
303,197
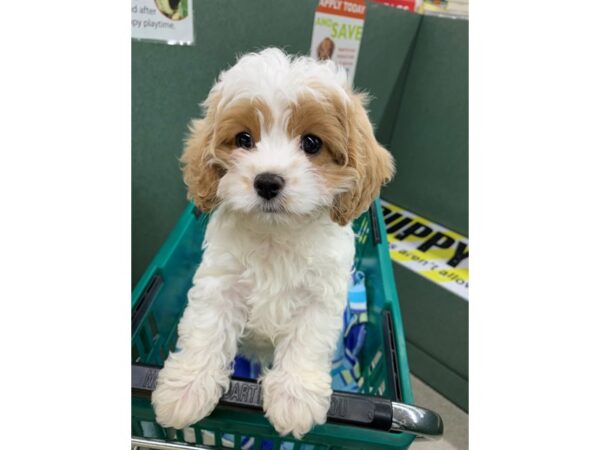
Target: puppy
x,y
285,158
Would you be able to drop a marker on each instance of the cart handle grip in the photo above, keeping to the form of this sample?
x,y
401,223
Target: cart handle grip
x,y
351,409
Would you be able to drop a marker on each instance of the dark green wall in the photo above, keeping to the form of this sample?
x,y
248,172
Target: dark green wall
x,y
415,69
430,137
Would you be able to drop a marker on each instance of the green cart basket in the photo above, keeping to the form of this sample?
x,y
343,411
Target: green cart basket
x,y
380,416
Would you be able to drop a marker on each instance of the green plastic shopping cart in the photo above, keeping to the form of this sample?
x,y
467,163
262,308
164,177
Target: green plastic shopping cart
x,y
380,416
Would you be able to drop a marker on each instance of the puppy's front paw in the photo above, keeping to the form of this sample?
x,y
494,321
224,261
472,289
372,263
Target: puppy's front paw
x,y
294,403
184,396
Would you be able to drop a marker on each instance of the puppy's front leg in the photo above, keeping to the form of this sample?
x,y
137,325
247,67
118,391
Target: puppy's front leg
x,y
297,390
195,376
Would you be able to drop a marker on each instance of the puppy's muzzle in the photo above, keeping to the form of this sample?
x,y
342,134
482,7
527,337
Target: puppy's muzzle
x,y
268,185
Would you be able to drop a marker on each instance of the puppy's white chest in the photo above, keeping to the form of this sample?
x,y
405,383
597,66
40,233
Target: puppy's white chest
x,y
277,285
280,273
275,265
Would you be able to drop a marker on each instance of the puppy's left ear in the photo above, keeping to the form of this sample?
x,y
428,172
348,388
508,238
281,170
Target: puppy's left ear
x,y
373,165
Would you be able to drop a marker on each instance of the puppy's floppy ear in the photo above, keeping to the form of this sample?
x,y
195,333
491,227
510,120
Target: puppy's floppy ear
x,y
201,168
373,165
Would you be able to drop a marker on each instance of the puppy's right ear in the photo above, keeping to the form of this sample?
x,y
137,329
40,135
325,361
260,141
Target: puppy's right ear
x,y
201,169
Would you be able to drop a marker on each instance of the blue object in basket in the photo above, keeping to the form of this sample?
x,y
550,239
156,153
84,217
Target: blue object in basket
x,y
346,367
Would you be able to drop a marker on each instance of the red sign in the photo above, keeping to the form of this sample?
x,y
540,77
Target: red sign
x,y
347,8
409,5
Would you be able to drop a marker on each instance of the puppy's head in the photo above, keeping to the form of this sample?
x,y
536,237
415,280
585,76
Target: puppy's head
x,y
283,138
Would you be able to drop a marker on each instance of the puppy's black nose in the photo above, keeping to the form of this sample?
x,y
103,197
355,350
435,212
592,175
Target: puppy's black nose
x,y
268,185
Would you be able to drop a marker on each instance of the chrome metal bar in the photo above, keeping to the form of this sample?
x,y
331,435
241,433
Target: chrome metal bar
x,y
418,421
163,445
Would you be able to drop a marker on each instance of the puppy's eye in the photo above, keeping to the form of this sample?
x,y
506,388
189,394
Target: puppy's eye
x,y
244,140
311,144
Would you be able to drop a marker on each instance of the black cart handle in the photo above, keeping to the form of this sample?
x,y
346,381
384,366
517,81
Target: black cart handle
x,y
350,409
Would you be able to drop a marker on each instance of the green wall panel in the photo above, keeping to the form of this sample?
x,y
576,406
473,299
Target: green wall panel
x,y
435,324
440,377
430,140
385,48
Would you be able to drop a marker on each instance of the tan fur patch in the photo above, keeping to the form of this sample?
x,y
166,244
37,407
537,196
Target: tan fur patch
x,y
351,161
208,148
243,115
374,165
325,118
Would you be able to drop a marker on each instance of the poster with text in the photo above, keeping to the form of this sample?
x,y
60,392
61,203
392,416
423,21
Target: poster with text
x,y
168,21
337,32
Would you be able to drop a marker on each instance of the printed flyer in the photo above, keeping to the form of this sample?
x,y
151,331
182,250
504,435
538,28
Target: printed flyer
x,y
337,32
168,21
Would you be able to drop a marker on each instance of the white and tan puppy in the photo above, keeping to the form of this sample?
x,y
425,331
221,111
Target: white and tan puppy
x,y
285,157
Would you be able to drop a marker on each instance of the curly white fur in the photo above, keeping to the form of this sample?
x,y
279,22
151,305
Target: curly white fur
x,y
272,284
276,295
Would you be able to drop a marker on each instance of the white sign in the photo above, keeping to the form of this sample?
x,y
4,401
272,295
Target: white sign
x,y
337,32
427,248
170,21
